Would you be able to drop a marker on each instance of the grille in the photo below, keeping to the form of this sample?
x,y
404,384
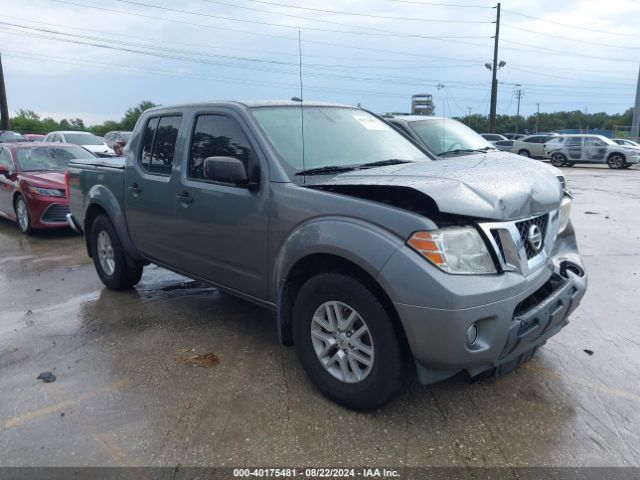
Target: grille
x,y
523,228
56,214
498,240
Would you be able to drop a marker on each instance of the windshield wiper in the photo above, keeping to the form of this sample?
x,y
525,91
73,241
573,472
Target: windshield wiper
x,y
327,169
466,150
382,163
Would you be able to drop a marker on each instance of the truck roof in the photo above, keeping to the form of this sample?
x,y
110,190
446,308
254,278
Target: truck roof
x,y
254,104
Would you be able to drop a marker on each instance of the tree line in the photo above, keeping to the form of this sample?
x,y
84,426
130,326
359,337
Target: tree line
x,y
27,121
549,122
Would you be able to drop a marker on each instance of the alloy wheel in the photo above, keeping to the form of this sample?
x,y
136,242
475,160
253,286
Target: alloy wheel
x,y
342,342
23,214
105,253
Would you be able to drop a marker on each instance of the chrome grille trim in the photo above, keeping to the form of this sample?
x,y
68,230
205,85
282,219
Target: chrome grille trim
x,y
510,247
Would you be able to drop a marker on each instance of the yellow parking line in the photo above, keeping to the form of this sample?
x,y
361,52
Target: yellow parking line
x,y
26,417
118,456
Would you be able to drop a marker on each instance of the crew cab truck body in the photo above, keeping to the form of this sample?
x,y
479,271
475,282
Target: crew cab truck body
x,y
377,260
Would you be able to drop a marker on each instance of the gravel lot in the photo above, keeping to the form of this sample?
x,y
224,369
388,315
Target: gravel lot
x,y
176,373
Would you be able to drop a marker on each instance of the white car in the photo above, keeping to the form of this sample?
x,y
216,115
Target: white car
x,y
531,146
626,142
567,150
493,137
86,140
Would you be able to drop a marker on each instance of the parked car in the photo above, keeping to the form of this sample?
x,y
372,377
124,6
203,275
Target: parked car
x,y
626,142
34,137
441,136
493,137
532,146
567,150
504,145
32,186
84,139
514,136
376,259
7,136
117,140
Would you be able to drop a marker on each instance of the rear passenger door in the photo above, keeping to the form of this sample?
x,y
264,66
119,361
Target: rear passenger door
x,y
223,227
149,190
595,150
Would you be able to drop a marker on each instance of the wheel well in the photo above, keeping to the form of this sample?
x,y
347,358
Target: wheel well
x,y
616,153
311,265
92,212
15,198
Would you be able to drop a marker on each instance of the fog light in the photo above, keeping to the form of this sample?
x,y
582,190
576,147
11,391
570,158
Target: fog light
x,y
472,334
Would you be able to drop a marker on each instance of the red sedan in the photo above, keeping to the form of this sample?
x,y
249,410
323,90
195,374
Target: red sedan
x,y
32,183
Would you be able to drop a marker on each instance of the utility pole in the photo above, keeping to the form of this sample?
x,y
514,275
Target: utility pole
x,y
537,116
4,109
469,116
519,94
494,78
635,123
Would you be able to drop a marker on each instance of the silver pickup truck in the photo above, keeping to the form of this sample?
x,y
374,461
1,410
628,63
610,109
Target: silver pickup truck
x,y
378,261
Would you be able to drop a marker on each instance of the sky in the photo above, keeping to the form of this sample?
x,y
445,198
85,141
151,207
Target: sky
x,y
94,59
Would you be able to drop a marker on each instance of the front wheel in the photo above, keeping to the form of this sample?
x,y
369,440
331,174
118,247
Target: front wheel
x,y
109,257
22,216
616,161
347,342
558,159
524,153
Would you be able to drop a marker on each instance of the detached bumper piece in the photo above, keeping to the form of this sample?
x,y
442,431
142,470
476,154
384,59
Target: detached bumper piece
x,y
537,318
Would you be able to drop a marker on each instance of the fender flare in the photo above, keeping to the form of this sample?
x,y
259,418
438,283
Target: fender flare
x,y
366,245
101,196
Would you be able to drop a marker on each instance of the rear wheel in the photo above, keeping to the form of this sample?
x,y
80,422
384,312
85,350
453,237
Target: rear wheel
x,y
115,270
347,343
558,159
524,153
616,161
22,216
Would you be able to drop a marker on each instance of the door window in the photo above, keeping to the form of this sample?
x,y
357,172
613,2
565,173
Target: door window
x,y
159,144
5,158
218,136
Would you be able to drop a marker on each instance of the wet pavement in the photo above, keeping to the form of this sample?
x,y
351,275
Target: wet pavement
x,y
176,373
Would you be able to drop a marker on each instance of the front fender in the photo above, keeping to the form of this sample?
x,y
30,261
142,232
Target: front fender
x,y
364,244
103,197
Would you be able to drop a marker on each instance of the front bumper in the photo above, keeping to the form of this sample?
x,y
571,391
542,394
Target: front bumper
x,y
513,314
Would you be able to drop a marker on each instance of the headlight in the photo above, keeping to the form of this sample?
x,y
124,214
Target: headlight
x,y
565,213
454,250
47,192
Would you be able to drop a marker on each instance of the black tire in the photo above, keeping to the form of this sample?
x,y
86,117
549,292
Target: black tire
x,y
627,165
389,371
569,164
126,273
558,160
616,161
26,228
524,153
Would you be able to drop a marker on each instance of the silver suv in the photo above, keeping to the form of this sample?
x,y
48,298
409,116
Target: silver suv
x,y
531,146
567,150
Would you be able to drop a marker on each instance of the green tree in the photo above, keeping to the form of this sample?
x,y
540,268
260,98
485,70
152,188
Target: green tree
x,y
131,116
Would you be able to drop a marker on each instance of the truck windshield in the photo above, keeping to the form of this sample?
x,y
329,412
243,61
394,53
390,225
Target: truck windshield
x,y
333,137
445,135
49,158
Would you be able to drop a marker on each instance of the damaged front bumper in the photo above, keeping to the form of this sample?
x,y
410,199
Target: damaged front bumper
x,y
509,315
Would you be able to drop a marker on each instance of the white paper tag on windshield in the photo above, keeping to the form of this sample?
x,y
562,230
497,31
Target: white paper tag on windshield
x,y
369,122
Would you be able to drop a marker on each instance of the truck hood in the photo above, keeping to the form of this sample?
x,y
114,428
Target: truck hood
x,y
44,179
491,187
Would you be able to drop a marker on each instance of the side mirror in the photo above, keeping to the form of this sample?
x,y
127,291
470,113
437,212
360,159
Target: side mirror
x,y
227,170
4,170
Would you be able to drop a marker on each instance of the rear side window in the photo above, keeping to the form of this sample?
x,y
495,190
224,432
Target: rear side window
x,y
159,144
218,136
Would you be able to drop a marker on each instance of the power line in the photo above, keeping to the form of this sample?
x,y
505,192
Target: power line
x,y
562,53
373,32
339,12
217,28
570,26
440,4
545,34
